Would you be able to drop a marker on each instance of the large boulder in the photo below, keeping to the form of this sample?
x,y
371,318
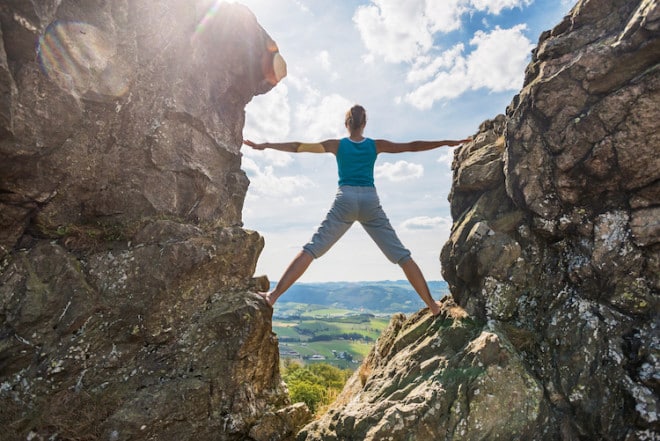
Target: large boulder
x,y
116,111
565,246
126,290
553,261
437,378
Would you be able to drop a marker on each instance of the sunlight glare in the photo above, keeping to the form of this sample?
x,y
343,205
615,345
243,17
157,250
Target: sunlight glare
x,y
81,58
210,13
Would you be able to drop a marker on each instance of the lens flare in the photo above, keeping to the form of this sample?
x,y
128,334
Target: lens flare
x,y
82,59
214,28
210,13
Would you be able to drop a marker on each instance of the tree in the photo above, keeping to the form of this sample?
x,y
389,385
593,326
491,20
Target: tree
x,y
309,393
315,385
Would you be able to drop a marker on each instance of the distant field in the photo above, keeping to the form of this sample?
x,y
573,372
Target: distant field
x,y
378,298
320,331
313,320
350,337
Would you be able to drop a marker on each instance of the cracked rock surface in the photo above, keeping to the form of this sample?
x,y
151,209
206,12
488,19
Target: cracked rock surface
x,y
553,259
126,299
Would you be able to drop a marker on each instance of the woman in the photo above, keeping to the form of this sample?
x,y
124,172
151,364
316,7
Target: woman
x,y
356,200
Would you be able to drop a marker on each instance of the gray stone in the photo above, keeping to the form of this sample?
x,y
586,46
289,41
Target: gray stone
x,y
126,281
443,378
555,263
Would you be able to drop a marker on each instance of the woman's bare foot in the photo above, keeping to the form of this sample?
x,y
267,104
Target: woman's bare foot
x,y
266,297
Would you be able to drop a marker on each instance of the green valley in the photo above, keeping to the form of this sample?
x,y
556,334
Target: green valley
x,y
337,323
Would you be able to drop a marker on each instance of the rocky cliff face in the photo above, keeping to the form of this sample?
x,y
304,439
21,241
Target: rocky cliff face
x,y
553,261
125,275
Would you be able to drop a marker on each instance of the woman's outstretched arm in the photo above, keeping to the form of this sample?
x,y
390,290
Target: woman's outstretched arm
x,y
384,146
329,146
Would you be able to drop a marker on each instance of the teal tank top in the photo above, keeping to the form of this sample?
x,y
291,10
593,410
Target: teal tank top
x,y
355,162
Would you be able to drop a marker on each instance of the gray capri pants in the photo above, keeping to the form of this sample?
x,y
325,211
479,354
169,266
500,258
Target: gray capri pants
x,y
363,205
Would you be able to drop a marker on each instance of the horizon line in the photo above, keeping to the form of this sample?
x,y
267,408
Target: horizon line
x,y
358,281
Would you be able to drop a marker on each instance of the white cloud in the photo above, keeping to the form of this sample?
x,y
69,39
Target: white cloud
x,y
249,166
426,67
303,85
268,116
446,157
267,119
401,31
499,60
396,30
317,116
496,6
426,223
399,171
404,32
323,59
445,15
302,7
324,118
324,62
446,85
266,183
497,64
270,157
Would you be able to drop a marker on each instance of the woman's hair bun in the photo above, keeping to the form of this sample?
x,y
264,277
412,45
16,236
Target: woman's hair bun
x,y
356,117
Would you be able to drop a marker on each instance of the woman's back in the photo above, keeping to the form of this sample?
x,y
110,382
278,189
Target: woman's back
x,y
355,162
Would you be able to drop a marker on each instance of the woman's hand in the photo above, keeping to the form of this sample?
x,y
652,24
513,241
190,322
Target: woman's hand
x,y
254,145
458,142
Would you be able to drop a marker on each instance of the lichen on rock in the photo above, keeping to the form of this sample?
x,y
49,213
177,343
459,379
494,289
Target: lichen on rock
x,y
436,378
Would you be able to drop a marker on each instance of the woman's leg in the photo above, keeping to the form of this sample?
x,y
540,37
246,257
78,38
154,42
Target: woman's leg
x,y
417,280
376,223
338,220
296,269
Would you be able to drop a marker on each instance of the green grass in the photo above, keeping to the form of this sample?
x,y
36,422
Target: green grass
x,y
358,350
355,347
310,311
354,334
288,332
307,329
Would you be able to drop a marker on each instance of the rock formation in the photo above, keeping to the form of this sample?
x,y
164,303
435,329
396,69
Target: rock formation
x,y
125,273
552,332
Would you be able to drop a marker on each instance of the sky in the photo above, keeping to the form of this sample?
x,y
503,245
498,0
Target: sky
x,y
424,70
